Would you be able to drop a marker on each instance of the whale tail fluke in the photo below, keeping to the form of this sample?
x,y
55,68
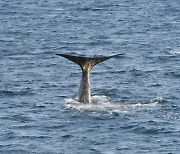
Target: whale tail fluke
x,y
87,63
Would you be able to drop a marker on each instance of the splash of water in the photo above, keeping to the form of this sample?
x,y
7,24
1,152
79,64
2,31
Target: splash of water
x,y
104,104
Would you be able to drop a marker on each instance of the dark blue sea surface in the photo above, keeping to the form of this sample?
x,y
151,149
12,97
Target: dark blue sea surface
x,y
136,97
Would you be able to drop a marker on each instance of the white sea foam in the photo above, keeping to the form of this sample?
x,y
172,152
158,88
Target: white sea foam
x,y
103,103
175,52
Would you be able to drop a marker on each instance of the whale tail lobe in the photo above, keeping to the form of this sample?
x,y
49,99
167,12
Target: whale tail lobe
x,y
86,64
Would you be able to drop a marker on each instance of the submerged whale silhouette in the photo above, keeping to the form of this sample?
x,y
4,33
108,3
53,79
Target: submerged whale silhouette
x,y
86,64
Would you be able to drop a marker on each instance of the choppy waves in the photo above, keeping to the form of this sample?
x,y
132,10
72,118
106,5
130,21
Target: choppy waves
x,y
135,105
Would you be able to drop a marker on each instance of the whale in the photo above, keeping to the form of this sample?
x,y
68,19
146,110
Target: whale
x,y
86,63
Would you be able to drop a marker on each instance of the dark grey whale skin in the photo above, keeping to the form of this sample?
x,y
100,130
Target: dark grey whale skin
x,y
86,64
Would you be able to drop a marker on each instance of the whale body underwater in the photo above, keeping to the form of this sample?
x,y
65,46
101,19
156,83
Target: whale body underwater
x,y
86,64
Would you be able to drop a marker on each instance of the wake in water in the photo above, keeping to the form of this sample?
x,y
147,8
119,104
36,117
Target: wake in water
x,y
104,104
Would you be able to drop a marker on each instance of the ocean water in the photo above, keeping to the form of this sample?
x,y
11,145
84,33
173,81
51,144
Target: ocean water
x,y
136,97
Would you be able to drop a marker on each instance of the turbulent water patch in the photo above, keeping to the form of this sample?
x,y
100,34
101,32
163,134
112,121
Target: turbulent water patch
x,y
104,104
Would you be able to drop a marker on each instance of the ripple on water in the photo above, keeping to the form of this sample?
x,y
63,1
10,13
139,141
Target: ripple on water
x,y
34,82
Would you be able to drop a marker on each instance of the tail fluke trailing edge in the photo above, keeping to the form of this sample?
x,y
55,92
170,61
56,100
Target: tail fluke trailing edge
x,y
87,63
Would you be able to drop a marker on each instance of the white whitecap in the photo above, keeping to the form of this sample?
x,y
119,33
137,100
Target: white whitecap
x,y
175,52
